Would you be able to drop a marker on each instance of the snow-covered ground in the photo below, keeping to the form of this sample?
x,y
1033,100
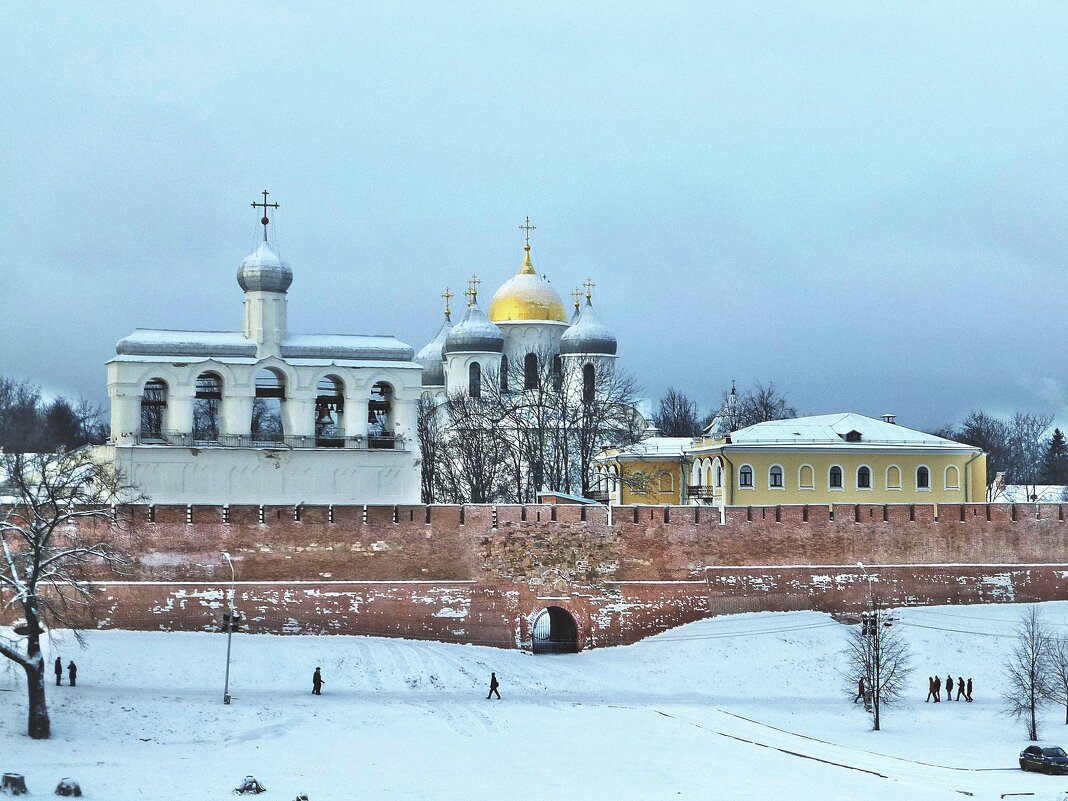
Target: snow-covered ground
x,y
739,707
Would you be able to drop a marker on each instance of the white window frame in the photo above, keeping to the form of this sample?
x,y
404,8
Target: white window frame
x,y
900,481
752,477
945,478
801,484
871,478
782,478
916,478
830,485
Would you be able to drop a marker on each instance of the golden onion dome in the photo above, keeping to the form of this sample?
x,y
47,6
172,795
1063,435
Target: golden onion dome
x,y
526,296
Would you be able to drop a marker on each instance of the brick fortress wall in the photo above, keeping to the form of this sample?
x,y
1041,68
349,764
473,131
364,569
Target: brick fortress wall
x,y
482,573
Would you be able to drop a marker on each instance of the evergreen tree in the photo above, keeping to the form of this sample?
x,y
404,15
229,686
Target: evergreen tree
x,y
1056,460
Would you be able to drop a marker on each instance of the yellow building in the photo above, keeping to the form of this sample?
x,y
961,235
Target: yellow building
x,y
653,471
826,459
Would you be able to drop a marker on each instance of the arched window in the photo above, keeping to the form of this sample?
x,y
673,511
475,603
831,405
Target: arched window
x,y
775,477
923,478
380,417
207,404
863,478
717,472
667,482
952,478
330,412
587,383
806,477
558,374
893,477
530,371
267,407
834,478
696,474
504,373
153,409
745,476
474,380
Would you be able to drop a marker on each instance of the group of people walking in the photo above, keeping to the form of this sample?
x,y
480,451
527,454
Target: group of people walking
x,y
72,671
934,688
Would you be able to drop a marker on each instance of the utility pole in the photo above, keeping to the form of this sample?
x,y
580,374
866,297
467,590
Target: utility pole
x,y
229,628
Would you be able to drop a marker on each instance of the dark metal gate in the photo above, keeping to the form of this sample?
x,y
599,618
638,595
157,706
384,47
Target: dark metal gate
x,y
554,632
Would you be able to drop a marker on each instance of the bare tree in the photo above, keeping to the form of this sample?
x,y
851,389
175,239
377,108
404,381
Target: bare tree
x,y
431,433
59,529
878,652
1027,449
475,451
1059,674
763,403
677,415
1028,670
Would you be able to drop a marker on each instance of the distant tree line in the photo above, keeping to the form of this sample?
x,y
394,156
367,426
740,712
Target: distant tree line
x,y
1021,447
29,423
678,415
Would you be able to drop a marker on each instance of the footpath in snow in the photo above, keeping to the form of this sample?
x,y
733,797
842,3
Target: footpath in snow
x,y
748,706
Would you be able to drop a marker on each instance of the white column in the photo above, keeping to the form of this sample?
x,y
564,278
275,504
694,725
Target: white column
x,y
236,415
179,415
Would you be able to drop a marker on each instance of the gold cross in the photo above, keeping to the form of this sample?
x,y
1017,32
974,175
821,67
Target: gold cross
x,y
527,227
576,294
448,297
588,283
472,290
265,205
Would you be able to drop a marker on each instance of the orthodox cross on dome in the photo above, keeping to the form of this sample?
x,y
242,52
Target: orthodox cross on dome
x,y
448,308
588,283
576,294
265,205
472,289
526,228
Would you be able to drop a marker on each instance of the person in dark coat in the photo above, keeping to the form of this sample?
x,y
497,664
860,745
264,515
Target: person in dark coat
x,y
960,688
59,671
317,682
930,689
969,693
860,689
494,684
938,689
949,688
72,671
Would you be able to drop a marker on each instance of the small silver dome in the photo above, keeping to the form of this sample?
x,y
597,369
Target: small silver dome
x,y
263,271
474,334
432,357
588,335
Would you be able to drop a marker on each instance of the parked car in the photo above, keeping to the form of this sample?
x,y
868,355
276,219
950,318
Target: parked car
x,y
1046,758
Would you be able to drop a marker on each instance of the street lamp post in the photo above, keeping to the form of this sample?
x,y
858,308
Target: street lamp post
x,y
229,627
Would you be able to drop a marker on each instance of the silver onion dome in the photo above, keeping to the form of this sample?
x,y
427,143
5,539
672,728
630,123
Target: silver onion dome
x,y
588,335
474,334
264,271
432,357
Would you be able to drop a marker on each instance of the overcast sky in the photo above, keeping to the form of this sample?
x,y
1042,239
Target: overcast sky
x,y
865,203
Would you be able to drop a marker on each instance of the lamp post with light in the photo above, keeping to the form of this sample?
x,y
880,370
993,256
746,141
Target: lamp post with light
x,y
229,627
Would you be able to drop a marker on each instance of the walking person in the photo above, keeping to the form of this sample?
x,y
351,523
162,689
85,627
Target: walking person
x,y
960,689
930,689
59,672
494,684
949,687
317,682
969,693
938,689
72,671
860,690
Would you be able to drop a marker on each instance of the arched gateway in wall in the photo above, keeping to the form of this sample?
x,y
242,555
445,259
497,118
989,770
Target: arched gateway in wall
x,y
554,632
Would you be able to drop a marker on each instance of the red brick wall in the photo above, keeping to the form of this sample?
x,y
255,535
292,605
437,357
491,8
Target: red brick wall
x,y
482,573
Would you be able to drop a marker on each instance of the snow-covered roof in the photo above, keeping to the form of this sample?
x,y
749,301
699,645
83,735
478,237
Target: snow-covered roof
x,y
653,447
163,342
213,344
827,429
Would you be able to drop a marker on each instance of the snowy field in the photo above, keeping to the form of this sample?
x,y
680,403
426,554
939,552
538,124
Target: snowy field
x,y
747,706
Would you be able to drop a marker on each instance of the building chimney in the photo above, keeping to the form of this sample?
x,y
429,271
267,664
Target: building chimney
x,y
890,418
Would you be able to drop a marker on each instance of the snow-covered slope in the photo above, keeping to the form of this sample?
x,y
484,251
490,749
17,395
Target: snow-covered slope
x,y
747,706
